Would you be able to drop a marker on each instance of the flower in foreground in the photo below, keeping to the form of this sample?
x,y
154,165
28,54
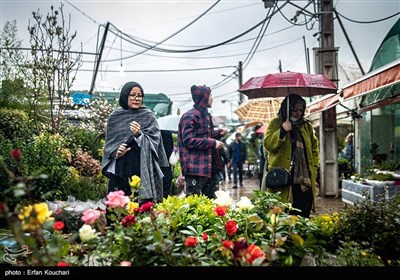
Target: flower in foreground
x,y
59,225
125,263
131,206
16,154
86,233
244,204
128,221
33,216
90,216
231,227
191,241
62,264
228,244
145,207
116,199
254,252
134,182
223,198
220,210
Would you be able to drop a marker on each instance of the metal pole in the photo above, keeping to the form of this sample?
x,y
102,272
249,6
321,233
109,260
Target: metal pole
x,y
103,41
350,44
240,78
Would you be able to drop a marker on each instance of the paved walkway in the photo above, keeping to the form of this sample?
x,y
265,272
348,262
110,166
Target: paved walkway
x,y
323,205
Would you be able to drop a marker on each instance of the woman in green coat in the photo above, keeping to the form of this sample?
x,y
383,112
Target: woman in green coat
x,y
294,137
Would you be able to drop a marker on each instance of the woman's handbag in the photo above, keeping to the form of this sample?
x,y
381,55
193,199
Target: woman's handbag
x,y
277,178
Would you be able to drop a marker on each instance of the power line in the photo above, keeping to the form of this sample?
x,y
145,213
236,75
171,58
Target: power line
x,y
369,21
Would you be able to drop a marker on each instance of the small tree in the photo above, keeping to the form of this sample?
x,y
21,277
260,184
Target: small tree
x,y
54,66
12,69
11,56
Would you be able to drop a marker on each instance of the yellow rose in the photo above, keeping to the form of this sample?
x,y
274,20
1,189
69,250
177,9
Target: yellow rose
x,y
131,206
134,182
33,216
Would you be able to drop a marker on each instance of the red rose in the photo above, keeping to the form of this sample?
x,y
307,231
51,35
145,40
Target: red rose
x,y
145,207
62,264
227,244
59,225
220,210
254,252
16,154
231,227
191,241
205,236
3,207
128,220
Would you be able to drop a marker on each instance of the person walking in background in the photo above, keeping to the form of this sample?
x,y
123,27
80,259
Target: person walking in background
x,y
262,159
291,136
237,156
168,143
349,148
196,140
224,161
133,146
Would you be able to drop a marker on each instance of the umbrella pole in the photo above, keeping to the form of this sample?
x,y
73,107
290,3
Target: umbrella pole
x,y
287,109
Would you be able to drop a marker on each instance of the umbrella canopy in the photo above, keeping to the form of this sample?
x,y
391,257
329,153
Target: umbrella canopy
x,y
282,84
169,122
259,109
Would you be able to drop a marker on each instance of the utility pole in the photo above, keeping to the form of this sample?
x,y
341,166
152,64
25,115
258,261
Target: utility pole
x,y
98,59
240,78
326,64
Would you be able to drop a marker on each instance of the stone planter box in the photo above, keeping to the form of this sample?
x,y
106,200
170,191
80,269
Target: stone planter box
x,y
356,191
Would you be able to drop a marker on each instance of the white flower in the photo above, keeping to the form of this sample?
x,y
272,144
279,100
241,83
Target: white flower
x,y
223,198
145,220
86,233
244,204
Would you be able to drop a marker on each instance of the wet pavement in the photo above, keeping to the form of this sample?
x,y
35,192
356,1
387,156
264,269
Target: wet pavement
x,y
323,204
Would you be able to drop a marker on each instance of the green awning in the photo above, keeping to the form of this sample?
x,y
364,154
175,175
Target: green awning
x,y
159,103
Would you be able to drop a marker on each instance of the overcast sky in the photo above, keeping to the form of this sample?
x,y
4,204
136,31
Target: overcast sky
x,y
174,24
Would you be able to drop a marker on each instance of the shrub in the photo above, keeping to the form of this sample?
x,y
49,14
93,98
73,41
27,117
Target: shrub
x,y
14,124
47,155
377,223
77,138
85,187
85,164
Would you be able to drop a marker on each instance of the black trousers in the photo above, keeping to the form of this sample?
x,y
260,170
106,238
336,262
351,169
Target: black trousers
x,y
201,186
301,200
116,183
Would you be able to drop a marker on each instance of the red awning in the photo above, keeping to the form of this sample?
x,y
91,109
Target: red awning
x,y
323,103
380,78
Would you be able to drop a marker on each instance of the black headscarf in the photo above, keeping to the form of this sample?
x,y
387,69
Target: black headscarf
x,y
126,89
293,100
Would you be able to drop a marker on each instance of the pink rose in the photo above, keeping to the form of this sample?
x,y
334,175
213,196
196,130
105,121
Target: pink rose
x,y
125,263
90,216
116,199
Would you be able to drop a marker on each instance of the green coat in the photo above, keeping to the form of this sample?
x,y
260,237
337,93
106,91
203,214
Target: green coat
x,y
280,152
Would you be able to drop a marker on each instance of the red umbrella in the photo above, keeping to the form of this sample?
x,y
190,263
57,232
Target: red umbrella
x,y
262,129
282,84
